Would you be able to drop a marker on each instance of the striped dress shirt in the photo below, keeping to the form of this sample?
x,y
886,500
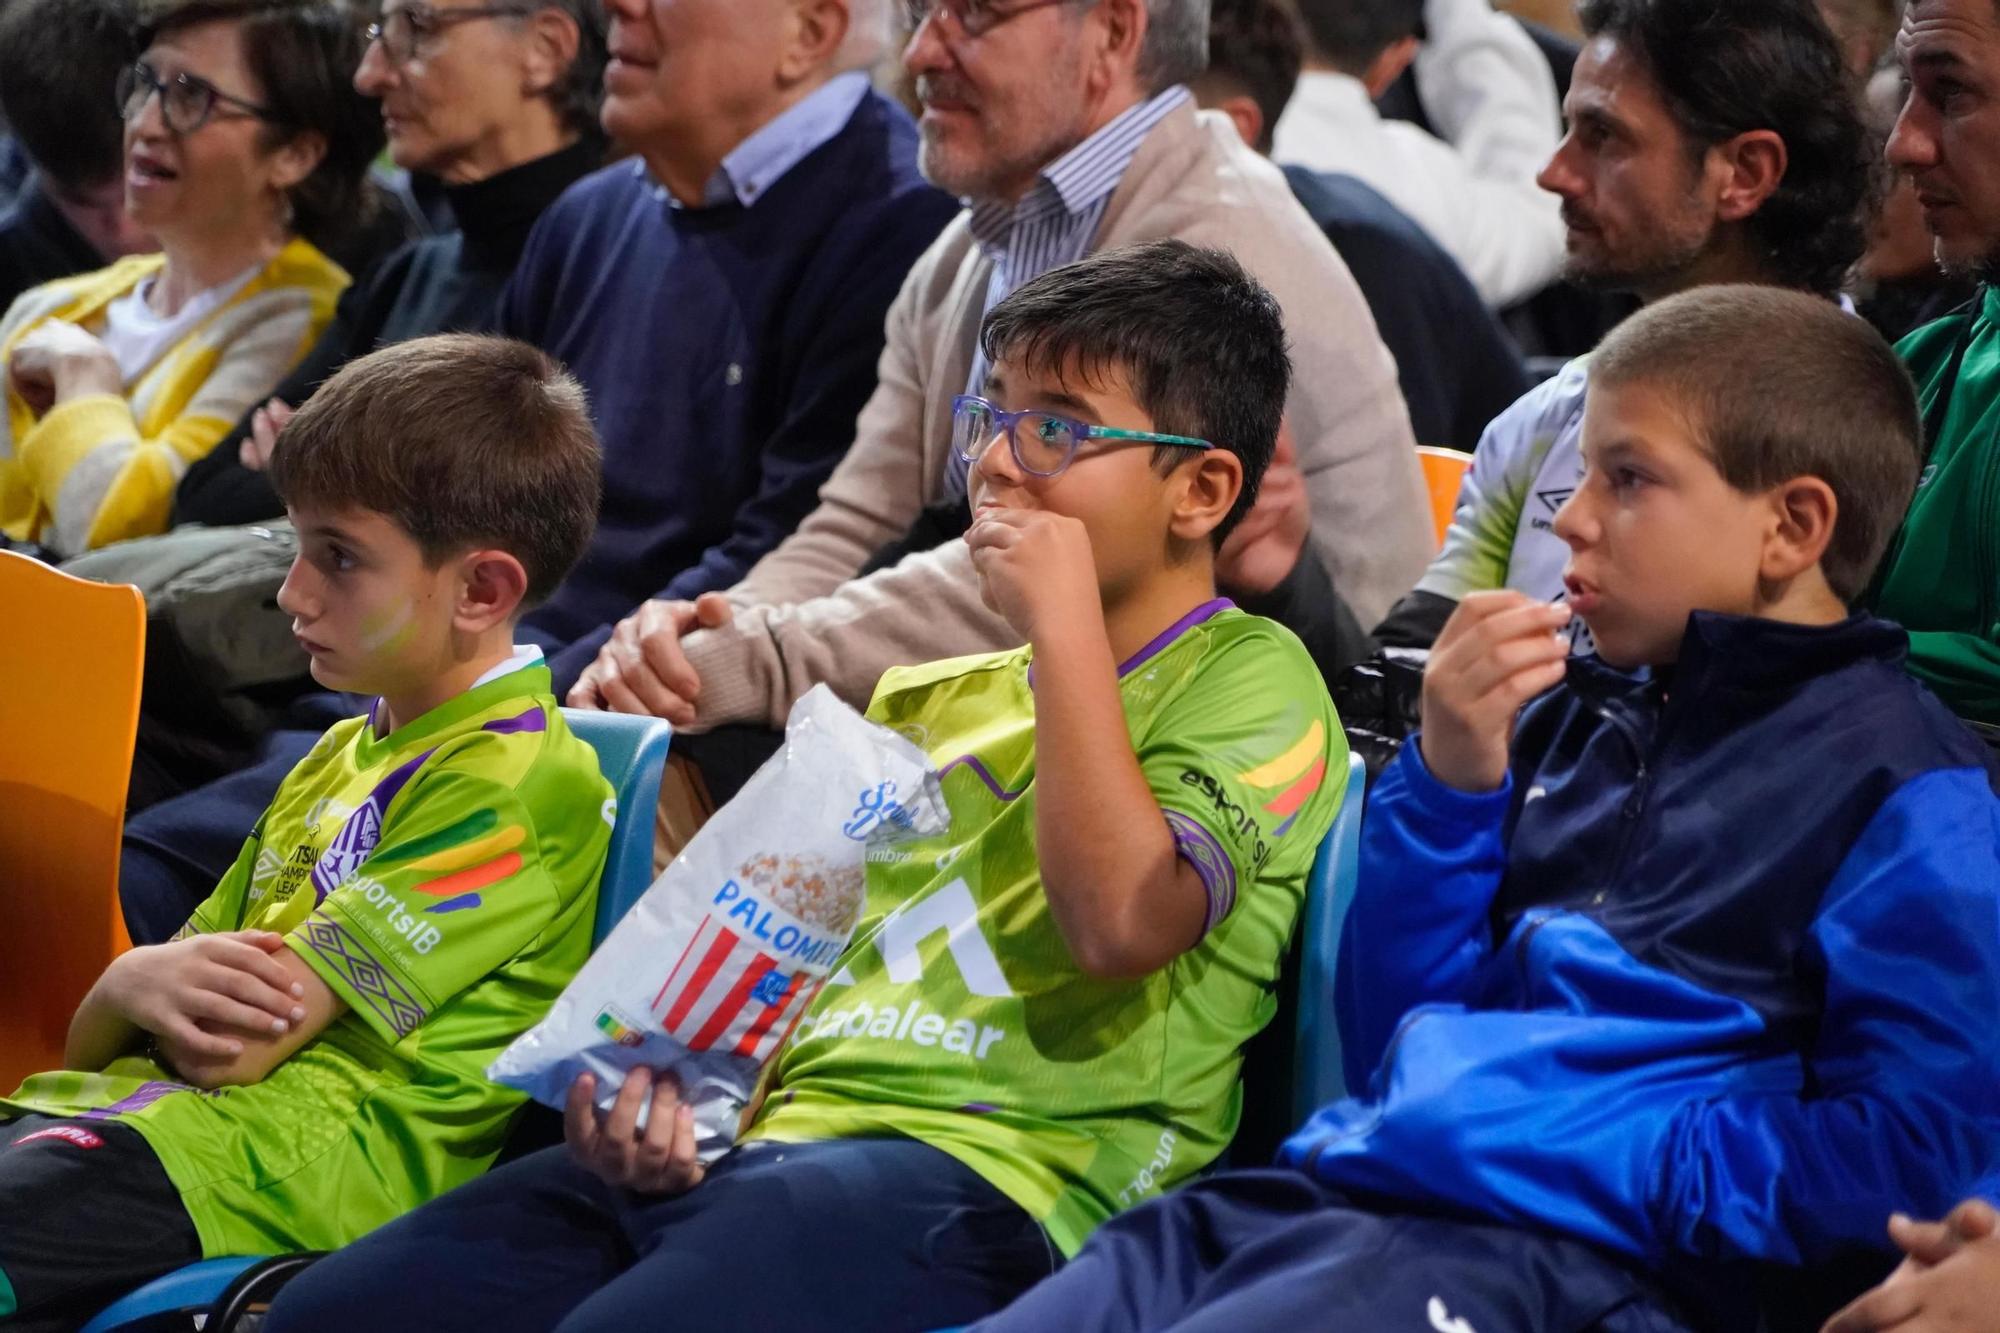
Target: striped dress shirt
x,y
1056,221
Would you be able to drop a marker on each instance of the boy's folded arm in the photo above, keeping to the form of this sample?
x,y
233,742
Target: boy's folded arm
x,y
262,1053
1431,860
1902,1111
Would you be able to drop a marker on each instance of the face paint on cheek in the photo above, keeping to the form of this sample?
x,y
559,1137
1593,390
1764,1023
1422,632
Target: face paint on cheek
x,y
389,630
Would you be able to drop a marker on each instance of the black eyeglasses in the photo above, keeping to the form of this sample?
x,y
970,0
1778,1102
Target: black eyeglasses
x,y
971,18
187,101
404,33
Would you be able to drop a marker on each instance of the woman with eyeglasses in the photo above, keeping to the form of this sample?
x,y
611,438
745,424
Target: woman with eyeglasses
x,y
497,101
243,132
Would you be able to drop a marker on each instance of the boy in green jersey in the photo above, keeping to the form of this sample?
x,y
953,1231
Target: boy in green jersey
x,y
306,1059
1039,1019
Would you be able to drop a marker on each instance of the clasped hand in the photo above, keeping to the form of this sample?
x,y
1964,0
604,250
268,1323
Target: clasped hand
x,y
57,361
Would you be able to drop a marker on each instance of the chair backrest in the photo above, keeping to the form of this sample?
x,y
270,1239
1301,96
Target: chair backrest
x,y
71,657
1316,1068
632,751
1444,471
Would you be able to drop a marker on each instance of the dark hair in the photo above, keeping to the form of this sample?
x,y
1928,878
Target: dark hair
x,y
303,53
579,94
1256,47
464,440
1200,341
59,67
1726,67
1778,384
1351,33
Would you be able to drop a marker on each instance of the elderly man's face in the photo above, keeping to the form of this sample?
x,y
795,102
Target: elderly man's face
x,y
678,63
1002,104
1947,139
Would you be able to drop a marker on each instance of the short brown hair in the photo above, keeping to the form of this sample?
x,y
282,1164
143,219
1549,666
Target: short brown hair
x,y
464,441
304,53
1777,384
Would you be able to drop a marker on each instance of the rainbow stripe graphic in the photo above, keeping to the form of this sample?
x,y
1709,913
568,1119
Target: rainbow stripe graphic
x,y
471,855
1296,773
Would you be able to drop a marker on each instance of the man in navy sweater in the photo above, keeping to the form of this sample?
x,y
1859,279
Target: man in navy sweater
x,y
722,298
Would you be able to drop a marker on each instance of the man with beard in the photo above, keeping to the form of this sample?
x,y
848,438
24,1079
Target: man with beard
x,y
1941,578
1709,141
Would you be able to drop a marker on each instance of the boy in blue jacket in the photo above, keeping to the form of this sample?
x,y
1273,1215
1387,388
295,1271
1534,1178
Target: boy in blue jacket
x,y
1670,994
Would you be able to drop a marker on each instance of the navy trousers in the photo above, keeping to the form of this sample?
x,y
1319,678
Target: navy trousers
x,y
876,1234
1274,1249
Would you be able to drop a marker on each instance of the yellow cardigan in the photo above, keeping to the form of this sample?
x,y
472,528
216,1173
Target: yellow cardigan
x,y
103,468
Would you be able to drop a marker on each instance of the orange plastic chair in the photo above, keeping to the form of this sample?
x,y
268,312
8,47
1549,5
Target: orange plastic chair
x,y
1444,469
71,656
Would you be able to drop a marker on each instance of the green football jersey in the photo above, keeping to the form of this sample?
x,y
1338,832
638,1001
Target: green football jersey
x,y
442,880
958,1016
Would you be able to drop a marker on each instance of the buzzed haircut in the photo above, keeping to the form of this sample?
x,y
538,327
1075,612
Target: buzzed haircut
x,y
1349,34
464,441
1776,384
59,67
1200,342
1255,48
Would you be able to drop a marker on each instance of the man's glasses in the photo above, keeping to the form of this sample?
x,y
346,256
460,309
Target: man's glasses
x,y
1043,443
971,18
187,102
410,32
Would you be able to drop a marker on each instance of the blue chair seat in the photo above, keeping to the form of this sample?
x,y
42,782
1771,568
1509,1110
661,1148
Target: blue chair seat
x,y
195,1287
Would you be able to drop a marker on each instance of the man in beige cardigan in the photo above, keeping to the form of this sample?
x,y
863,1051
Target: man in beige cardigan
x,y
1021,100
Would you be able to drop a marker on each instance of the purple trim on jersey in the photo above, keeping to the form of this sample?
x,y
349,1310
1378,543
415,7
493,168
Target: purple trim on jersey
x,y
978,1108
532,720
1200,849
1208,610
146,1094
971,761
1215,606
357,838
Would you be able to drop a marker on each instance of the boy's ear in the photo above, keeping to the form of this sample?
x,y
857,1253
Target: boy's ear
x,y
1806,510
492,585
1214,480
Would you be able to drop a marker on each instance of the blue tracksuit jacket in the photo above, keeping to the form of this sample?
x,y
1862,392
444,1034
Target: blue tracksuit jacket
x,y
1715,976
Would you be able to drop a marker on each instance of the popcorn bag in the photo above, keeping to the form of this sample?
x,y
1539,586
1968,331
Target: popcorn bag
x,y
708,974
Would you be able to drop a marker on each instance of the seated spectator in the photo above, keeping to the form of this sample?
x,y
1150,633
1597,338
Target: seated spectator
x,y
1458,367
722,301
59,67
242,128
1054,167
1684,981
1948,1283
1939,577
501,107
1488,91
1898,286
307,1058
1709,141
1116,939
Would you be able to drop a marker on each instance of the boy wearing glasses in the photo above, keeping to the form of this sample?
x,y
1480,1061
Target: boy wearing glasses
x,y
1038,1022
